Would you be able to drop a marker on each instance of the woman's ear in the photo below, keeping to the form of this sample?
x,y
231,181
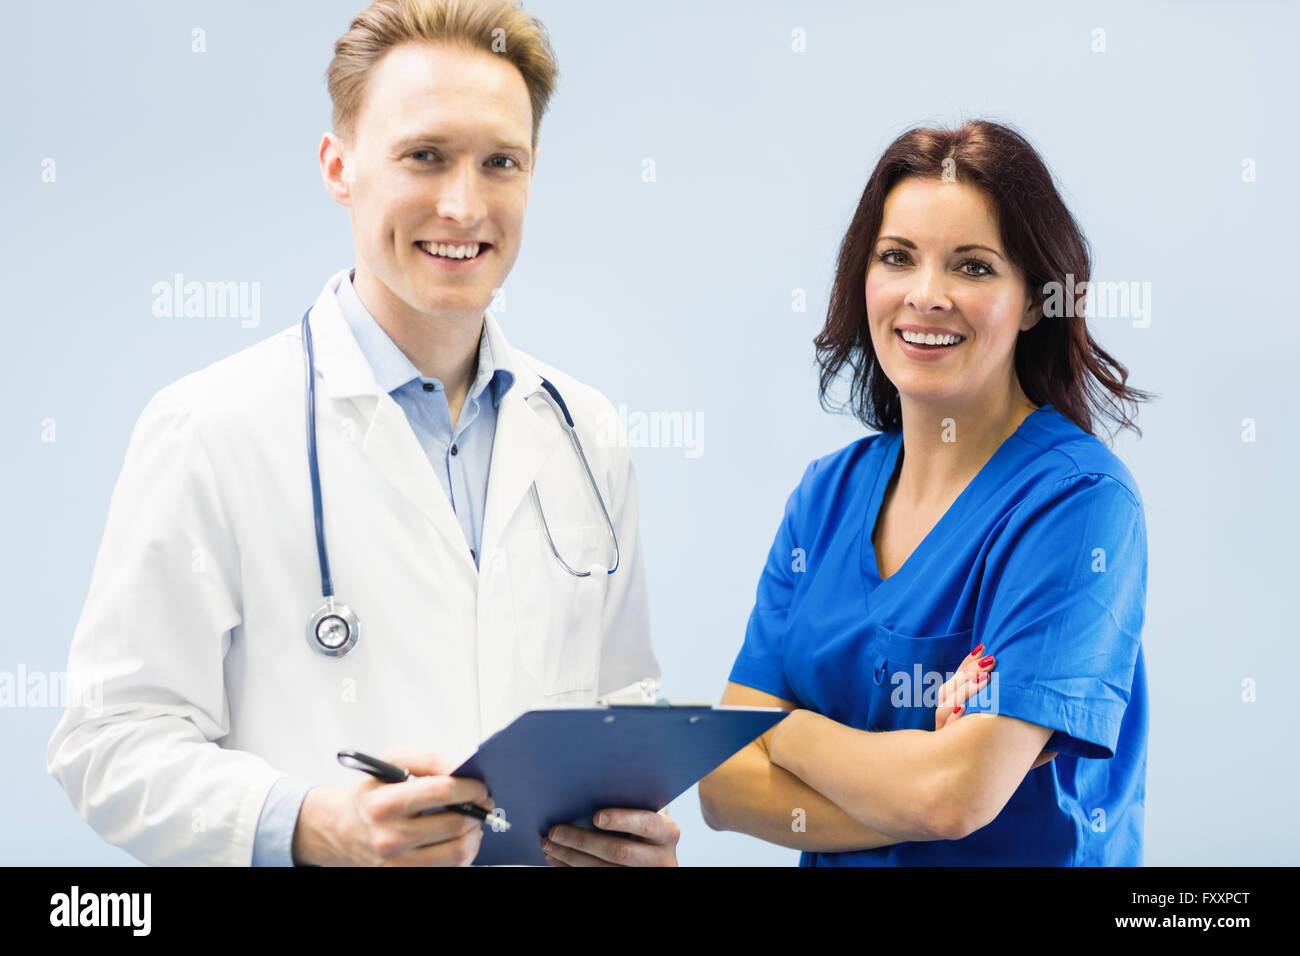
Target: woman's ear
x,y
1033,313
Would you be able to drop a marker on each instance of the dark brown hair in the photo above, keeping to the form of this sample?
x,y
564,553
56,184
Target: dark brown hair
x,y
1056,361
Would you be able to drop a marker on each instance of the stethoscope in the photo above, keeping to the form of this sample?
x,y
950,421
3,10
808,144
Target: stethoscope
x,y
334,629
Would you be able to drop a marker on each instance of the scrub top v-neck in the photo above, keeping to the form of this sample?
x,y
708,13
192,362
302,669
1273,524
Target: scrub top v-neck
x,y
1043,559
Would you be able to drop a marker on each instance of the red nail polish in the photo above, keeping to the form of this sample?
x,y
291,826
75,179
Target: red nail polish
x,y
976,652
987,661
980,679
956,710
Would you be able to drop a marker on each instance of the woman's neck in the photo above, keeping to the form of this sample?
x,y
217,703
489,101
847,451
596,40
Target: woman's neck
x,y
946,445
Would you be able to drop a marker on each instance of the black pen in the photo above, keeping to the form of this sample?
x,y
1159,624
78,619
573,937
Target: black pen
x,y
390,773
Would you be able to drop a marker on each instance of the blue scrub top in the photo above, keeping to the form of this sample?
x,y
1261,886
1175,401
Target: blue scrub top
x,y
1043,559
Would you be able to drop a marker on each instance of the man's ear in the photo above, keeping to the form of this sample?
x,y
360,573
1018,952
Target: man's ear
x,y
336,170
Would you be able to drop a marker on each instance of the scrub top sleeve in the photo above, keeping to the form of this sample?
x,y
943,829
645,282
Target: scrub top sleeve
x,y
761,661
1061,607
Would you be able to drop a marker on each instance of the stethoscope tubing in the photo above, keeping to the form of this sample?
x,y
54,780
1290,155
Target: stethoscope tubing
x,y
332,620
326,581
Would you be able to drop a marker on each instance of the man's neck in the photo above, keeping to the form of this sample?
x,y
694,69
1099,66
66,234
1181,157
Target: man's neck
x,y
444,347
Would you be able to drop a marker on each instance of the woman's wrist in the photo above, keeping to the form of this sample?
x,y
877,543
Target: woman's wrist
x,y
784,747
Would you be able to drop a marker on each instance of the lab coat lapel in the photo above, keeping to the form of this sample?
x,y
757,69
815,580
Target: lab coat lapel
x,y
389,442
393,449
527,434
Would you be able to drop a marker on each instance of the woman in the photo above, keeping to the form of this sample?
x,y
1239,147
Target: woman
x,y
984,515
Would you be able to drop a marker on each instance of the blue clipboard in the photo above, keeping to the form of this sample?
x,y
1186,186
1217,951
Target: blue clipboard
x,y
562,765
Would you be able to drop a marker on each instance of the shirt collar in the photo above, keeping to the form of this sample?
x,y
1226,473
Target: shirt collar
x,y
393,369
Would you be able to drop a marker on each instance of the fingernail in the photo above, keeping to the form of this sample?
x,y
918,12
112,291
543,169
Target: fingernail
x,y
987,661
602,819
956,710
976,652
980,679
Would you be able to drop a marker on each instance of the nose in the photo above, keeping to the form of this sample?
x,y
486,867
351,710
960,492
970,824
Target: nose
x,y
460,197
928,292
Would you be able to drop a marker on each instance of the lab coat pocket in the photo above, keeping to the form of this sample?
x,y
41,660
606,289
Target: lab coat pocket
x,y
559,618
916,667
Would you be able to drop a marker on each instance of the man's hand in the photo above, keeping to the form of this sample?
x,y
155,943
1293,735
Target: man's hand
x,y
378,824
970,679
640,838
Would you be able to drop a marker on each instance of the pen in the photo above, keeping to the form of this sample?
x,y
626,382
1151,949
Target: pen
x,y
390,773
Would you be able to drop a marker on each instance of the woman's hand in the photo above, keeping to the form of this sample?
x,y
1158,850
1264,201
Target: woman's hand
x,y
969,679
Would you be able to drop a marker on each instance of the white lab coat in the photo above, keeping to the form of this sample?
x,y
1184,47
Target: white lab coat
x,y
196,619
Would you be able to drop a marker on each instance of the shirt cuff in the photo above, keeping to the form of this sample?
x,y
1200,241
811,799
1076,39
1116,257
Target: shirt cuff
x,y
1085,727
273,841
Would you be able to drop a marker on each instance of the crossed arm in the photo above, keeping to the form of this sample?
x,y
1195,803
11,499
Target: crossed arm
x,y
863,789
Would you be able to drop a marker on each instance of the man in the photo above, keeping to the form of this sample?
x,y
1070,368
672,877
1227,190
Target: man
x,y
446,476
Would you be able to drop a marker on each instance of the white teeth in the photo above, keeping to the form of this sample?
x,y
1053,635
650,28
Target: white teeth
x,y
929,338
451,252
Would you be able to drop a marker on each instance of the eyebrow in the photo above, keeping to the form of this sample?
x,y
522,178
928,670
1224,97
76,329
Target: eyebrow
x,y
423,139
966,248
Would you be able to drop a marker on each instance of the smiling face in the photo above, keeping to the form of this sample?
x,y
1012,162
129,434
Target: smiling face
x,y
442,155
939,267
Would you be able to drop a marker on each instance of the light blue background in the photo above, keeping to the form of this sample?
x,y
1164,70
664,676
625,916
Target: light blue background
x,y
676,296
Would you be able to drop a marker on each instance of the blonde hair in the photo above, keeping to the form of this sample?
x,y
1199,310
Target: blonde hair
x,y
498,27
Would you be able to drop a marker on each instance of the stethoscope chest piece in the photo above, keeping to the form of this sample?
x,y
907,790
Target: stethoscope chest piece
x,y
333,629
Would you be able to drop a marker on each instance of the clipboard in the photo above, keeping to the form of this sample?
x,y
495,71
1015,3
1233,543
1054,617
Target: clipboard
x,y
562,765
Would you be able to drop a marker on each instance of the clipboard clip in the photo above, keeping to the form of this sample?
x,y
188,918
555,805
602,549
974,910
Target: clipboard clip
x,y
633,702
644,693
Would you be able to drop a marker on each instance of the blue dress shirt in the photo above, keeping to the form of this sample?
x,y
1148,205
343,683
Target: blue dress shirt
x,y
460,456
